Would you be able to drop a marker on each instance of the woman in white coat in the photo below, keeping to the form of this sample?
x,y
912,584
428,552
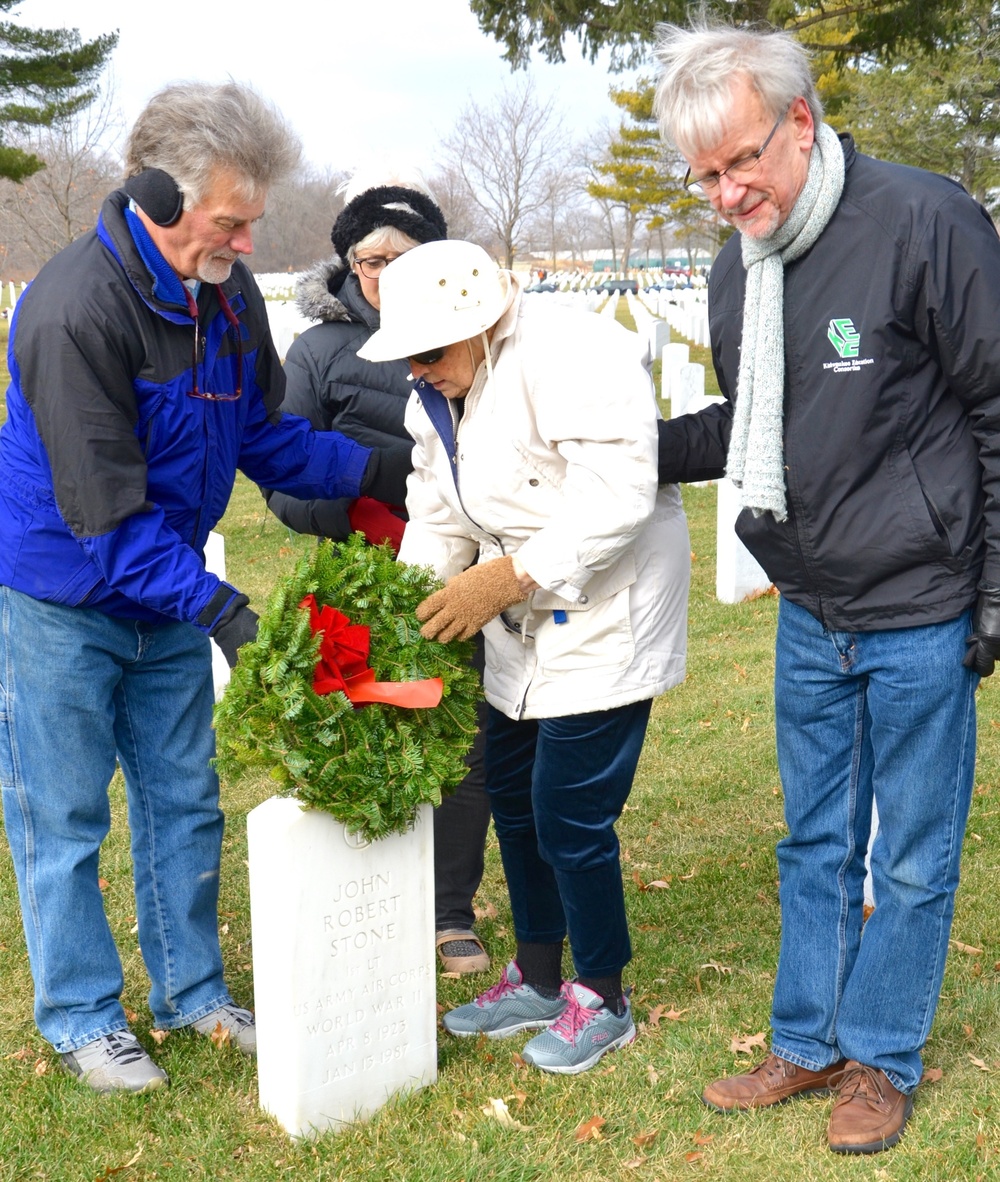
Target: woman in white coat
x,y
534,495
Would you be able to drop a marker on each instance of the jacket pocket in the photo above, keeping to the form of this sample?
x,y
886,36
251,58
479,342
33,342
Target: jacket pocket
x,y
597,632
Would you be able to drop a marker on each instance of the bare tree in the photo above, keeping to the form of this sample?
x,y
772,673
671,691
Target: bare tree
x,y
505,154
61,201
464,216
295,229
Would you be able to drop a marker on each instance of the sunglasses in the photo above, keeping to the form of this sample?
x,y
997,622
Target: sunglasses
x,y
431,357
198,353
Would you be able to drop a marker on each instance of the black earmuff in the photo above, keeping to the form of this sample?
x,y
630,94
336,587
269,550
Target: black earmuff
x,y
157,195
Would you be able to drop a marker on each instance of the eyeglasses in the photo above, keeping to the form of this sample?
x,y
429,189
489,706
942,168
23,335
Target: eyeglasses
x,y
372,267
198,353
431,357
740,171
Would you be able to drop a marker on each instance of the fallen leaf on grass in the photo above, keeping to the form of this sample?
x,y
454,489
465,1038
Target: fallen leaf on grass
x,y
634,1163
658,884
590,1130
652,1074
453,976
498,1111
743,1044
518,1062
978,1063
486,912
701,1138
719,968
674,1015
221,1036
931,1075
21,1055
111,1171
693,1156
520,1097
103,884
643,1139
41,1066
159,1036
966,948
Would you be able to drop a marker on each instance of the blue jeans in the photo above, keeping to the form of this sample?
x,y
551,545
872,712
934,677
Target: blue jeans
x,y
889,715
77,687
556,787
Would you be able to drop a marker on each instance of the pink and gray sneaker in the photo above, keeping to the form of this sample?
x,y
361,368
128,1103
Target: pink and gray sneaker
x,y
583,1032
506,1008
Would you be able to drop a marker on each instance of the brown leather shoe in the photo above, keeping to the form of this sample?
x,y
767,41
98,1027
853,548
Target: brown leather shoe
x,y
772,1082
870,1114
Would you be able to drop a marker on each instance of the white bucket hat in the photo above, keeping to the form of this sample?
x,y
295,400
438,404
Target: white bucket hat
x,y
434,295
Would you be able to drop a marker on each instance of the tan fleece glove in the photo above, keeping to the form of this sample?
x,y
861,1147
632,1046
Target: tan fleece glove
x,y
467,601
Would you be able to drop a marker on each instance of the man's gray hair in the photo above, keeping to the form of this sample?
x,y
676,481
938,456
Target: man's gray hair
x,y
192,129
693,102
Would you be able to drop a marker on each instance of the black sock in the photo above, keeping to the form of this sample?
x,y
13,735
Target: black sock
x,y
541,967
609,989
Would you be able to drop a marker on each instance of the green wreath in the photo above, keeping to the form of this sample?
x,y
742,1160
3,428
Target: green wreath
x,y
369,766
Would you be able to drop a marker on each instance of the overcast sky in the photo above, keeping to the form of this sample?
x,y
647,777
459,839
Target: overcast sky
x,y
357,79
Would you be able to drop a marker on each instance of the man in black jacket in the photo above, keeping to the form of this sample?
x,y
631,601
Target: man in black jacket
x,y
854,336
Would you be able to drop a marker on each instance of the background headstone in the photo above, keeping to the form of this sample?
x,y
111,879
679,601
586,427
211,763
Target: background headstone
x,y
737,573
343,964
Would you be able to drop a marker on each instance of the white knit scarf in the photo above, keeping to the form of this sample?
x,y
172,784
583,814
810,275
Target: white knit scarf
x,y
756,451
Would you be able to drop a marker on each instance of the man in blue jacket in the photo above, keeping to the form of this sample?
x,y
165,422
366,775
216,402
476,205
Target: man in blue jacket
x,y
854,334
142,377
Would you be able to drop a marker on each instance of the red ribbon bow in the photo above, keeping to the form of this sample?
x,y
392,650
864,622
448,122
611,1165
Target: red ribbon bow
x,y
343,664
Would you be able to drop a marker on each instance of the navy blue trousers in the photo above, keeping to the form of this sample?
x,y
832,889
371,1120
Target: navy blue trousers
x,y
556,788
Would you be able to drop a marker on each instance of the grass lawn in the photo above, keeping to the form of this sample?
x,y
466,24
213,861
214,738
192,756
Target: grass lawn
x,y
702,823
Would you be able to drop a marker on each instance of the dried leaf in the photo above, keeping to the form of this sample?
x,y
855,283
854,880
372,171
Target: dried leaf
x,y
41,1066
693,1156
743,1044
131,1016
590,1130
644,1139
655,1014
652,1074
518,1062
221,1035
103,884
634,1163
658,884
701,1138
966,948
486,912
21,1055
674,1015
931,1075
719,968
520,1097
159,1036
453,976
978,1063
497,1110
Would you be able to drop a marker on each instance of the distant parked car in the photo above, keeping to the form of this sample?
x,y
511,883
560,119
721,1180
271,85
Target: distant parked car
x,y
620,285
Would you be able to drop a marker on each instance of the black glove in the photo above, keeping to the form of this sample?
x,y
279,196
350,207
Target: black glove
x,y
984,643
237,626
386,473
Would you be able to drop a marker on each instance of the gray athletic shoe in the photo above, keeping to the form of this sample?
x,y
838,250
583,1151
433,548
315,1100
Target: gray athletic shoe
x,y
238,1021
115,1063
584,1032
505,1008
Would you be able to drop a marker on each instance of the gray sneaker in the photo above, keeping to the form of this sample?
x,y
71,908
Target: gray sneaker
x,y
234,1019
584,1032
505,1008
115,1063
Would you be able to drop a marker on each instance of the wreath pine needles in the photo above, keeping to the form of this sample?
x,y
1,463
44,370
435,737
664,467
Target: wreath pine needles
x,y
369,766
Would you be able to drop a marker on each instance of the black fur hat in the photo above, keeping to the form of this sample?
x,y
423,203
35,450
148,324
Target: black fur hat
x,y
388,205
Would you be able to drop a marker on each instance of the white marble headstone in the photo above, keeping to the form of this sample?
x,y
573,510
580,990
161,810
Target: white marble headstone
x,y
343,962
737,573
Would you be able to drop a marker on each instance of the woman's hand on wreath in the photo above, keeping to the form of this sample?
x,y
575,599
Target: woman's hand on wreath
x,y
470,599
